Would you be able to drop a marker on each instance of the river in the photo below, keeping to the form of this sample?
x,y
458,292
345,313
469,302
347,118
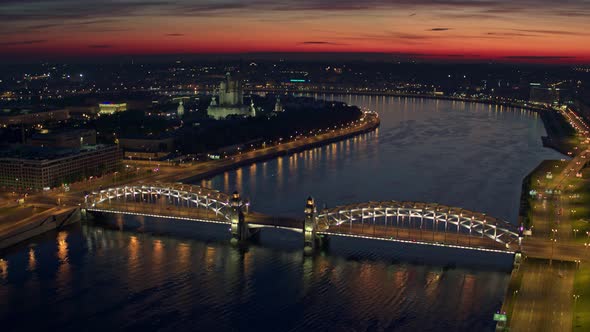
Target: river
x,y
141,273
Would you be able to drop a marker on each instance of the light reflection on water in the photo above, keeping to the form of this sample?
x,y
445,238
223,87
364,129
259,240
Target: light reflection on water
x,y
95,277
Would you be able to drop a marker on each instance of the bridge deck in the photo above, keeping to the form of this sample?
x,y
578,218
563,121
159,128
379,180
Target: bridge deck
x,y
266,220
194,213
366,230
416,235
161,210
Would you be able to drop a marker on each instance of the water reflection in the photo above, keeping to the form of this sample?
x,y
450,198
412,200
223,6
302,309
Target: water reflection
x,y
62,247
3,269
128,279
184,255
63,275
133,260
32,260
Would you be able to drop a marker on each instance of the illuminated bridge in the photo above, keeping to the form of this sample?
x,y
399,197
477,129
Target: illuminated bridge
x,y
407,222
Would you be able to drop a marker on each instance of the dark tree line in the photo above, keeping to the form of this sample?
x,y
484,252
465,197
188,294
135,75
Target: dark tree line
x,y
213,135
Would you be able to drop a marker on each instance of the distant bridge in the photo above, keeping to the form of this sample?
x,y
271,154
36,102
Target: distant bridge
x,y
411,222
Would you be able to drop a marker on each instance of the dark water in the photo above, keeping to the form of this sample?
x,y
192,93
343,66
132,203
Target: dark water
x,y
139,273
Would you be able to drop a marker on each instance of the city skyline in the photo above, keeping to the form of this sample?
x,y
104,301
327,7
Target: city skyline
x,y
511,31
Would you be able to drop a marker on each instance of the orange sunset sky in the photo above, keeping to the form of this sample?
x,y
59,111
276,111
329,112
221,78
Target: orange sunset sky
x,y
551,31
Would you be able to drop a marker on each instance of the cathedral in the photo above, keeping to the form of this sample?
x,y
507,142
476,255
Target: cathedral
x,y
230,100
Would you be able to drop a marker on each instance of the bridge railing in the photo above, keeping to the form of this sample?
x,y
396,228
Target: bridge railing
x,y
461,220
173,194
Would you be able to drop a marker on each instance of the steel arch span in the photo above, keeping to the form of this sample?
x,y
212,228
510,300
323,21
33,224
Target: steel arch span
x,y
427,216
175,194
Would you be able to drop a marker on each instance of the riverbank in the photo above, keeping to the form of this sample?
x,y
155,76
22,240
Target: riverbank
x,y
498,102
33,224
206,170
560,135
559,198
534,182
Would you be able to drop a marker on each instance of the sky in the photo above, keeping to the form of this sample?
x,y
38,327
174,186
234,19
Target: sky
x,y
555,31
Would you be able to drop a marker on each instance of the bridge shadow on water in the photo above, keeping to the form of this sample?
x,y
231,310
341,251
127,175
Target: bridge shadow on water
x,y
350,249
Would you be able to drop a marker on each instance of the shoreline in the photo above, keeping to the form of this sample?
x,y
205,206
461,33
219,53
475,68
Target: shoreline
x,y
408,95
272,155
544,114
553,140
53,219
248,158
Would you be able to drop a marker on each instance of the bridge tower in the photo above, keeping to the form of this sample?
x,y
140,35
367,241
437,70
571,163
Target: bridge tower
x,y
309,227
239,227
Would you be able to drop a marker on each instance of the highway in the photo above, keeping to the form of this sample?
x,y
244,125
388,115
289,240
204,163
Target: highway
x,y
544,301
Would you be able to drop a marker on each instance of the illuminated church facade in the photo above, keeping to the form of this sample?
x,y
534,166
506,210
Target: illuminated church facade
x,y
230,100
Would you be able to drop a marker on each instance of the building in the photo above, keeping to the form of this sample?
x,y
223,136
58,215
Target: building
x,y
85,112
111,108
549,94
10,117
231,100
64,139
278,107
148,147
35,168
541,94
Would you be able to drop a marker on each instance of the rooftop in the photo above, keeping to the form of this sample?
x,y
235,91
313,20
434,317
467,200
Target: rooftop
x,y
19,151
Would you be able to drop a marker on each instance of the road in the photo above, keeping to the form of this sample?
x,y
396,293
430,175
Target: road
x,y
544,301
451,237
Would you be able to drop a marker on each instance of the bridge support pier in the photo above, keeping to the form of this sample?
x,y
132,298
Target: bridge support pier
x,y
239,227
309,228
84,214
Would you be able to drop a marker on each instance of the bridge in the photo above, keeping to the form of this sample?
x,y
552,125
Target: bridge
x,y
406,222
